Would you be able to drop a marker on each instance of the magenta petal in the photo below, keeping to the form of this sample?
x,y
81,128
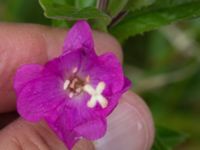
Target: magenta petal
x,y
108,69
39,97
62,127
79,36
69,137
114,99
72,125
63,66
127,84
25,74
59,91
105,68
92,129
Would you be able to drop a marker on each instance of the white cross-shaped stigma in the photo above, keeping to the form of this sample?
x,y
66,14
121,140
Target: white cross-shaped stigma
x,y
96,95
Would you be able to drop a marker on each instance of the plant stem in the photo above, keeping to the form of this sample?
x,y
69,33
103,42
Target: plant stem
x,y
117,19
102,5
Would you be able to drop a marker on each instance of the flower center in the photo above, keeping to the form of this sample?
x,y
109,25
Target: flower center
x,y
74,86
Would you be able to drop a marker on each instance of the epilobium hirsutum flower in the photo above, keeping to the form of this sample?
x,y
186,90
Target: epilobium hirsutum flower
x,y
75,92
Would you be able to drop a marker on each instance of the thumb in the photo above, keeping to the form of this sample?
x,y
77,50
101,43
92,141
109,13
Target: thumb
x,y
24,135
130,126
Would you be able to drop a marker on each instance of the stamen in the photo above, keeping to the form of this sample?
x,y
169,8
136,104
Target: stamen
x,y
78,90
87,79
71,94
66,84
72,85
75,70
75,84
96,95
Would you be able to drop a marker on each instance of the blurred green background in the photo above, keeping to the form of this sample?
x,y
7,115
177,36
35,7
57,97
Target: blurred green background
x,y
164,66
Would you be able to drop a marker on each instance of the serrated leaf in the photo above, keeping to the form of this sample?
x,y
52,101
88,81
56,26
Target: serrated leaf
x,y
66,10
156,16
138,4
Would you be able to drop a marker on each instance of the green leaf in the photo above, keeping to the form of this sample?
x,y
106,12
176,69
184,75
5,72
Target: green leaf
x,y
138,4
66,10
171,3
170,137
116,6
155,16
158,144
85,3
167,139
60,23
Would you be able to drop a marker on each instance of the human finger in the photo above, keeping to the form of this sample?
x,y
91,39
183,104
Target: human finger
x,y
24,135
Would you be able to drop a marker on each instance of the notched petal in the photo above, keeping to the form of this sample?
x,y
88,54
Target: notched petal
x,y
79,36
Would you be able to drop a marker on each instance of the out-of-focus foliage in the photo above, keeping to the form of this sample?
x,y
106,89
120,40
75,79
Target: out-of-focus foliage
x,y
167,139
164,64
22,11
158,14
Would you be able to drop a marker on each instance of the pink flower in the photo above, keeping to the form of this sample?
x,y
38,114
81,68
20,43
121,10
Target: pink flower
x,y
75,92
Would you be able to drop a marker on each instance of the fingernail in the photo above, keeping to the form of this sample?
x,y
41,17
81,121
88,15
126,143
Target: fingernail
x,y
128,127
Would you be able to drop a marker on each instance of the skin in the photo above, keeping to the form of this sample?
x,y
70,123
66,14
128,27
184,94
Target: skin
x,y
130,126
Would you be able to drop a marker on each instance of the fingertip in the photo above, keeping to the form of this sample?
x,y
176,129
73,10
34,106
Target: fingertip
x,y
130,126
136,101
26,135
19,44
